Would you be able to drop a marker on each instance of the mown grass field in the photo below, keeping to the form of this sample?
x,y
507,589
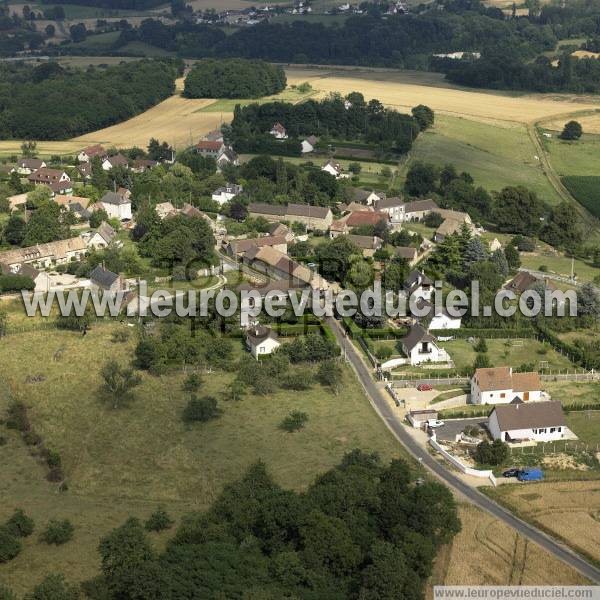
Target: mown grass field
x,y
581,157
494,154
558,264
127,461
488,552
566,509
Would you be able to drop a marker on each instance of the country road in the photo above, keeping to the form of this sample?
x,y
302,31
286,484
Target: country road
x,y
556,548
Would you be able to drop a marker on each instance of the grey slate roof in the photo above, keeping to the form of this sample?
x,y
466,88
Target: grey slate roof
x,y
529,415
114,198
103,277
416,335
259,333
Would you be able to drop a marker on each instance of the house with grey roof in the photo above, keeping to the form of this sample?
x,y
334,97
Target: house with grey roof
x,y
418,285
103,279
117,206
420,346
261,340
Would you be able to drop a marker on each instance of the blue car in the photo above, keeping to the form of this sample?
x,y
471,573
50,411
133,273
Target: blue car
x,y
530,475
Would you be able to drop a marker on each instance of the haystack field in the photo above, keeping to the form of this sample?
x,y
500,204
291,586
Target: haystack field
x,y
404,90
488,552
568,509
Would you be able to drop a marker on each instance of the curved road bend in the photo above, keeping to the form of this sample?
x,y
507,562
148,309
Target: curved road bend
x,y
471,494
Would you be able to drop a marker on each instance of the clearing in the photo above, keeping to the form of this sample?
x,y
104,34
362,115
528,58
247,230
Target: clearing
x,y
126,462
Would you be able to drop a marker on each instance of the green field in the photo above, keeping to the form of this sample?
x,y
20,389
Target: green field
x,y
559,264
586,190
496,156
145,50
228,105
98,41
581,157
128,461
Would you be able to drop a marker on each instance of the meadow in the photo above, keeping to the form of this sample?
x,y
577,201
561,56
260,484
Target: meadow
x,y
566,509
127,461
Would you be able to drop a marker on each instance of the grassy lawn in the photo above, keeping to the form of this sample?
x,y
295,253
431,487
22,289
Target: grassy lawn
x,y
559,264
571,392
581,157
586,425
127,461
97,41
502,352
495,155
228,105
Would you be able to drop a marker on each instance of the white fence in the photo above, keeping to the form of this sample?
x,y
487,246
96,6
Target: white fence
x,y
459,464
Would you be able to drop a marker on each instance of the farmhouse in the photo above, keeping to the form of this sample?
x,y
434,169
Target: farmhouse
x,y
105,280
46,176
27,166
334,169
240,247
419,209
214,136
227,193
314,217
261,340
524,281
227,157
308,145
117,205
40,279
279,289
210,148
87,154
118,160
140,165
367,243
278,132
359,218
45,255
499,385
539,422
408,253
394,207
453,222
418,285
366,197
421,347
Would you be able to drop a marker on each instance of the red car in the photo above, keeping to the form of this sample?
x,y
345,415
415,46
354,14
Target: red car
x,y
424,387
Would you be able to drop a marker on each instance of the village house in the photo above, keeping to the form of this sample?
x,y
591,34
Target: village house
x,y
117,205
240,247
435,317
453,223
85,171
499,385
87,154
308,145
524,281
102,237
280,289
261,340
421,346
408,253
393,207
419,209
40,279
369,244
43,256
27,166
214,136
49,177
418,285
227,157
539,422
279,229
365,197
118,160
278,132
210,148
140,165
227,193
335,169
105,280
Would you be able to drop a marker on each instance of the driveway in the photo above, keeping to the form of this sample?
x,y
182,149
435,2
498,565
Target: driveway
x,y
453,427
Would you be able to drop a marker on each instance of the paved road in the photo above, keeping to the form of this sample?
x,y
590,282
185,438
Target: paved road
x,y
471,494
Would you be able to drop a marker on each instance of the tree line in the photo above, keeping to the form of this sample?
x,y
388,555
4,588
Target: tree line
x,y
50,102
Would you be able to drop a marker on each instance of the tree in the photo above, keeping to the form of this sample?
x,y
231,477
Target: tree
x,y
355,168
235,390
54,587
475,251
518,210
294,421
14,230
482,361
420,179
481,345
572,131
201,409
424,116
562,229
330,375
159,520
491,454
192,382
29,149
97,218
498,257
78,32
19,524
58,532
588,301
512,257
118,383
394,274
50,30
45,225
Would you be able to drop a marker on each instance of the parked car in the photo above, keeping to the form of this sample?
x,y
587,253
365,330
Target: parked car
x,y
511,473
530,475
433,423
424,387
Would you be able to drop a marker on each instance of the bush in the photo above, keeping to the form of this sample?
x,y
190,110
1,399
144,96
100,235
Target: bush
x,y
17,417
294,421
54,587
53,459
300,380
58,532
120,336
10,546
158,520
20,525
15,283
481,345
481,361
491,454
201,409
192,383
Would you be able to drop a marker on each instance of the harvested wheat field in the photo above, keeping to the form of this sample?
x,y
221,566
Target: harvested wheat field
x,y
590,123
488,552
569,510
405,89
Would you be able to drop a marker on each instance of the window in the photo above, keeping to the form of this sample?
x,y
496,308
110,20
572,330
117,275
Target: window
x,y
502,395
559,429
552,429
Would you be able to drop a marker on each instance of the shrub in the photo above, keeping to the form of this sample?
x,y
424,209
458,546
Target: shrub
x,y
201,409
58,532
17,417
481,361
294,421
120,336
543,268
20,525
158,520
481,345
10,546
491,454
193,382
31,438
54,587
300,380
53,459
383,352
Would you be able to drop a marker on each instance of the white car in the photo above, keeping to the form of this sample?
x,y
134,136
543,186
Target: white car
x,y
433,423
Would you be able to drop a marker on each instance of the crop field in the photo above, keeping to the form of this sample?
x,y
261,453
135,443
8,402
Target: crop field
x,y
567,509
586,190
488,552
127,461
496,155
